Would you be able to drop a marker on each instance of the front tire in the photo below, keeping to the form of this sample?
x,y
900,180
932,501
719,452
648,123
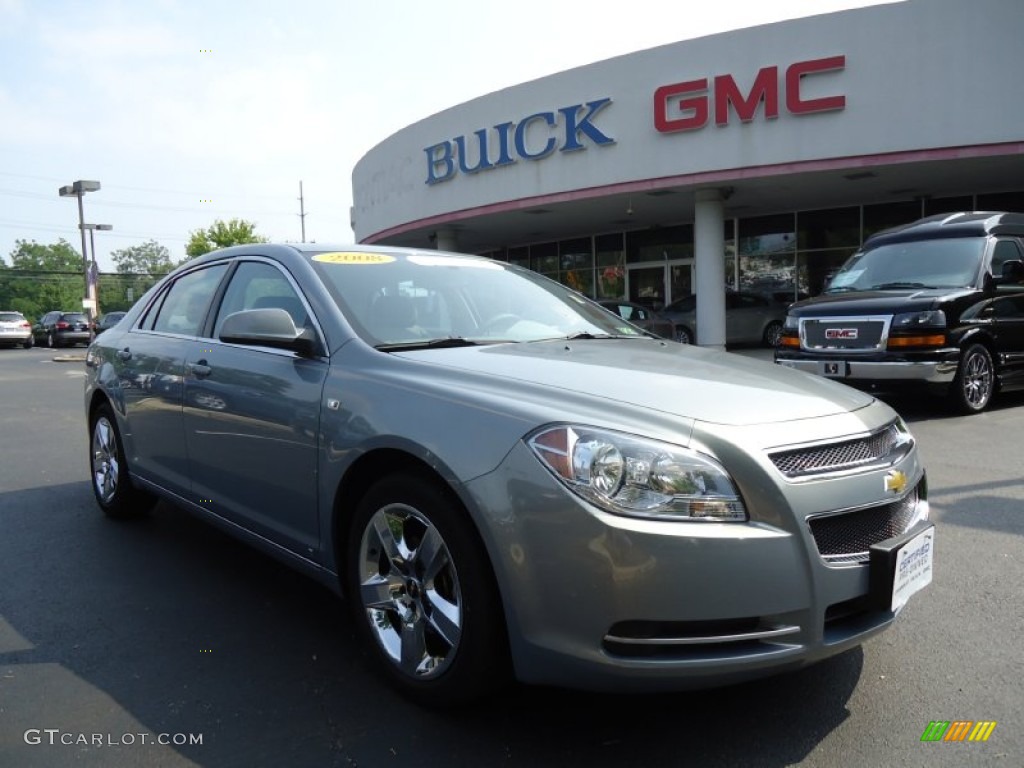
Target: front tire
x,y
684,335
422,593
111,483
975,379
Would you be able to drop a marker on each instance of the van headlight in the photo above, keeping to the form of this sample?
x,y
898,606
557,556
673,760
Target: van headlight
x,y
637,476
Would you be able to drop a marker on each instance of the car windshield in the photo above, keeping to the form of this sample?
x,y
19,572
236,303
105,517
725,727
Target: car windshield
x,y
939,263
421,299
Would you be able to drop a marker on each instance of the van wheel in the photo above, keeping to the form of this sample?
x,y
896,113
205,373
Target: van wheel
x,y
422,593
975,380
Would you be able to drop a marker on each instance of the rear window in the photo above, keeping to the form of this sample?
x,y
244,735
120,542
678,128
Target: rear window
x,y
74,317
10,317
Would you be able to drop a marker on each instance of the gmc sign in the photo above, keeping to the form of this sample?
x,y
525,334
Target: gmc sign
x,y
692,111
840,333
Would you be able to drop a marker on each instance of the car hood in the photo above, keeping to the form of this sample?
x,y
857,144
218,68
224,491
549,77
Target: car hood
x,y
876,302
685,381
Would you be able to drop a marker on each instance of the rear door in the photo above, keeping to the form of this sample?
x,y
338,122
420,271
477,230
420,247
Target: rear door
x,y
150,364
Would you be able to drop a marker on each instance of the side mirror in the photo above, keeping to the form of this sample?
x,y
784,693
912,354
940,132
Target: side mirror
x,y
271,327
1013,271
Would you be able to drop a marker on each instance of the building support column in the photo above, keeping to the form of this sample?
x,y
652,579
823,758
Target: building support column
x,y
446,240
709,262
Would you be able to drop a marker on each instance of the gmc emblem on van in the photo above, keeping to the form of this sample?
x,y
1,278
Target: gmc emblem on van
x,y
840,333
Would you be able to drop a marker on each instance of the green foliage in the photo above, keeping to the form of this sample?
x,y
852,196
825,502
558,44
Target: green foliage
x,y
139,267
149,258
41,278
222,234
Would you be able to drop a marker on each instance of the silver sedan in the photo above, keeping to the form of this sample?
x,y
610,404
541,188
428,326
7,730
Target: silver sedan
x,y
502,478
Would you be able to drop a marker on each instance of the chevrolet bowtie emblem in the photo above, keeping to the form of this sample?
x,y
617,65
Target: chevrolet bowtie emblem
x,y
895,481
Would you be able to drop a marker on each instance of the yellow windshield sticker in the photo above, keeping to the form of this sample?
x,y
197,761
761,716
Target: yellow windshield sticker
x,y
353,257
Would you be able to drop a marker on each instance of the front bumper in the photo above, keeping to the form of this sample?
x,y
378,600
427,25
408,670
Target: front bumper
x,y
605,602
933,369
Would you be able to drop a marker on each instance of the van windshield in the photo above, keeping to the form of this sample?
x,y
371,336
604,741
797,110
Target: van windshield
x,y
938,263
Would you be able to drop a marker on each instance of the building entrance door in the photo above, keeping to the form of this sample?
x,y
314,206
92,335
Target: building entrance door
x,y
657,286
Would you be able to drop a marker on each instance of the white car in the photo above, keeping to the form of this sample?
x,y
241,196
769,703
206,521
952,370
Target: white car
x,y
15,329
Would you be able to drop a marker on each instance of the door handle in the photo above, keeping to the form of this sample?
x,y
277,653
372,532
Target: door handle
x,y
124,354
200,369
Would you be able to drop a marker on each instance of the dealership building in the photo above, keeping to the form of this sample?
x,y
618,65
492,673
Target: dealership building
x,y
757,159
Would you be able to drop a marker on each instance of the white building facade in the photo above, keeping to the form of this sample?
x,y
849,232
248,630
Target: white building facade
x,y
756,160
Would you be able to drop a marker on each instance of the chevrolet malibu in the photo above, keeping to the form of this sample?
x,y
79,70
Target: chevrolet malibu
x,y
503,479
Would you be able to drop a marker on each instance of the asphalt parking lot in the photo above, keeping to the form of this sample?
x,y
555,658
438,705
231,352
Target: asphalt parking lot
x,y
164,629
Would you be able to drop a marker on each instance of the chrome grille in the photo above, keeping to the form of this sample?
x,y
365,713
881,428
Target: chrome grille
x,y
837,457
847,537
836,333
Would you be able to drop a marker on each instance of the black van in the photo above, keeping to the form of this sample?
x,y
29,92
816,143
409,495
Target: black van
x,y
937,303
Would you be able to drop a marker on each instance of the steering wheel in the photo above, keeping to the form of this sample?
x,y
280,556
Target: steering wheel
x,y
499,323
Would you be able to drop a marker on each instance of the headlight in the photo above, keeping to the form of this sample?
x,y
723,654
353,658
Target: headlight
x,y
791,323
635,476
930,318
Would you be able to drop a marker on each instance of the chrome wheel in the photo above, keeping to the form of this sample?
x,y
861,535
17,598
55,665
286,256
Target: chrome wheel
x,y
977,380
683,335
772,334
105,463
409,590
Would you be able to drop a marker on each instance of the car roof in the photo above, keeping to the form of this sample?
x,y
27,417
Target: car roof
x,y
962,224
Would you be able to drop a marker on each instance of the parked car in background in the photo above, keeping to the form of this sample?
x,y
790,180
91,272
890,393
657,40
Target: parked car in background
x,y
15,330
108,321
443,438
641,316
749,319
62,329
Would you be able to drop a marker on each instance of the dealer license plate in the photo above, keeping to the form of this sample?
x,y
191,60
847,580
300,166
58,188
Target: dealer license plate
x,y
913,568
834,368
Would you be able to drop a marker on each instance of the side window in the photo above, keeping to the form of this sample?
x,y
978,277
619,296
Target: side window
x,y
185,304
1005,250
258,285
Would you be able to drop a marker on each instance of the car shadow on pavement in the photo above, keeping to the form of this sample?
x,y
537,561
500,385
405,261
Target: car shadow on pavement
x,y
165,625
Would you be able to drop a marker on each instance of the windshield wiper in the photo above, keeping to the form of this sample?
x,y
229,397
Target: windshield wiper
x,y
589,335
841,289
447,342
885,286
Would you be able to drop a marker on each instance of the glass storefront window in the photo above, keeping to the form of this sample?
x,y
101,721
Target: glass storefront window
x,y
581,280
610,255
815,269
933,206
661,244
830,228
519,256
885,215
1002,201
544,259
767,253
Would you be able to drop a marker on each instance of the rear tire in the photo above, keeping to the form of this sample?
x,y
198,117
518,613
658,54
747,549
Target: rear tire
x,y
975,380
111,482
28,343
422,593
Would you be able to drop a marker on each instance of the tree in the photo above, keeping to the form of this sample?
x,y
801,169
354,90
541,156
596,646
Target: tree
x,y
42,277
221,234
139,267
149,258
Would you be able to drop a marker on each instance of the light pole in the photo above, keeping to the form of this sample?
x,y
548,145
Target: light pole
x,y
92,289
78,189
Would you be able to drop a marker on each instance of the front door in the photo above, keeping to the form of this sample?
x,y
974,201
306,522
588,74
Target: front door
x,y
657,286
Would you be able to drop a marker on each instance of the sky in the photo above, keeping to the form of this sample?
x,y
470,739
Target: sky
x,y
188,111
